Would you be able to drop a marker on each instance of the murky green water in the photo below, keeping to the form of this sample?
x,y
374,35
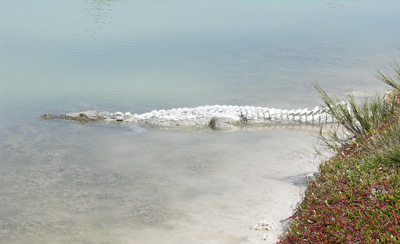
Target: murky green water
x,y
63,182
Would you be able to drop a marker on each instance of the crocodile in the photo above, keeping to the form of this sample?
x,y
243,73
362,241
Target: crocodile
x,y
216,117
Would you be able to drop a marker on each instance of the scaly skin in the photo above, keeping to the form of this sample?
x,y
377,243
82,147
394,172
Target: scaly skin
x,y
215,117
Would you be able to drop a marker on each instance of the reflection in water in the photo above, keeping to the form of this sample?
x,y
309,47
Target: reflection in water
x,y
333,4
100,15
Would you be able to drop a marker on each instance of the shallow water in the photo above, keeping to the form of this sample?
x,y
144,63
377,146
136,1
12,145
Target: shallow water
x,y
64,182
99,184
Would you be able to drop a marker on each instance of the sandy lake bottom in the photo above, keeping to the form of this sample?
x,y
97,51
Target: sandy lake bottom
x,y
67,182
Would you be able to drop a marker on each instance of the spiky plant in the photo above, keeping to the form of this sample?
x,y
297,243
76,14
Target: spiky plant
x,y
355,120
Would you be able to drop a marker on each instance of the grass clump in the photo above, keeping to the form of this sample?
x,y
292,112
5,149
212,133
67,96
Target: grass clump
x,y
356,196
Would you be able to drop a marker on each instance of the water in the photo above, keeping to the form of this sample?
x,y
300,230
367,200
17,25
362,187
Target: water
x,y
64,182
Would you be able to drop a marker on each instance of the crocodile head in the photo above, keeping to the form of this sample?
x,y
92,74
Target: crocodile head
x,y
83,116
